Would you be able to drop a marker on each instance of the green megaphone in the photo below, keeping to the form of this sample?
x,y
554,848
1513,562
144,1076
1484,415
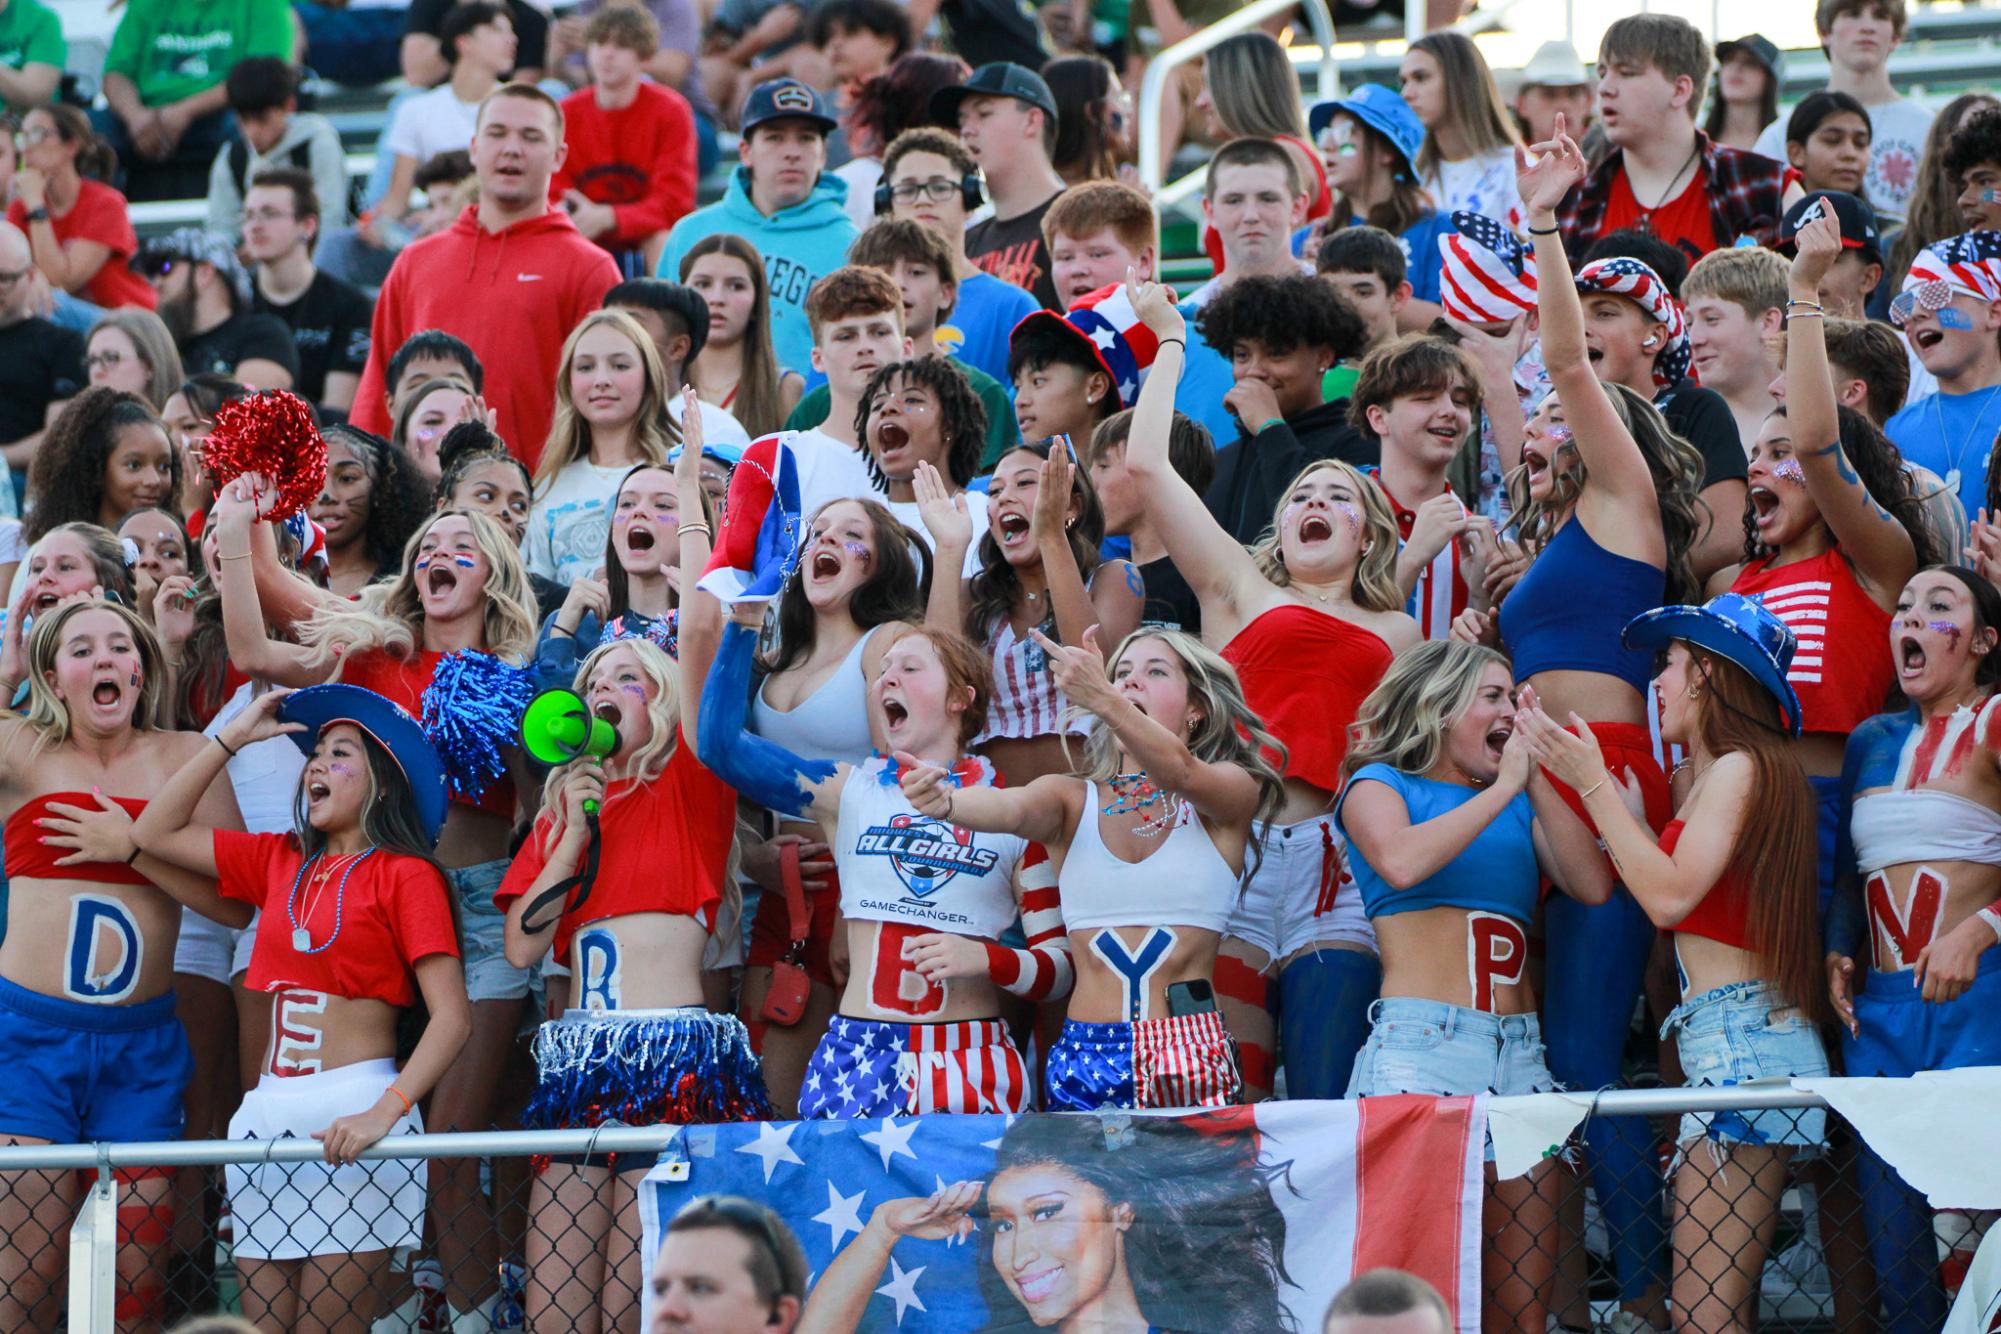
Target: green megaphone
x,y
558,728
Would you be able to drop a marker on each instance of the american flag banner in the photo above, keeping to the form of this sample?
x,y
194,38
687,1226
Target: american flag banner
x,y
1489,275
1244,1220
758,544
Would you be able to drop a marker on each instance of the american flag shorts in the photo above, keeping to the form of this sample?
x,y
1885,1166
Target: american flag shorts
x,y
865,1068
1187,1060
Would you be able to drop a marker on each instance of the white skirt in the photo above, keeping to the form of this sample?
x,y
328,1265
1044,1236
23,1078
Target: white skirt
x,y
288,1211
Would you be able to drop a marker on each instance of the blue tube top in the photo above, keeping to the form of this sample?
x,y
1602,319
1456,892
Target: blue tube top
x,y
1568,610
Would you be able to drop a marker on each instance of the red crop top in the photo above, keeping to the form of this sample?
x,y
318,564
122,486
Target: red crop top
x,y
394,911
1840,671
1306,674
1724,913
28,856
665,846
404,680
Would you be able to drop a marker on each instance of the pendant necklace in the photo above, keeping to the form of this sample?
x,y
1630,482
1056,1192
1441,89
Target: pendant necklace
x,y
1136,793
302,938
1938,416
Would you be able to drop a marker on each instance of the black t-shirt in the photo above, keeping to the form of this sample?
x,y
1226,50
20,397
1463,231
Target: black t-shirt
x,y
984,31
238,339
1253,471
531,27
1014,252
1170,602
40,363
1701,417
329,323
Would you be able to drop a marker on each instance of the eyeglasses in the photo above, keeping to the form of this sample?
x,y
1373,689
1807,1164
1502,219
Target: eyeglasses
x,y
154,270
1934,294
40,134
937,190
9,279
110,361
265,215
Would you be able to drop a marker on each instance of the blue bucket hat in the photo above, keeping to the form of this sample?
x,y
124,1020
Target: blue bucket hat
x,y
319,707
1731,626
1382,111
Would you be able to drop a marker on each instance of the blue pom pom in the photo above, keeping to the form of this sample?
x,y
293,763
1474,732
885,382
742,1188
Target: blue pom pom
x,y
472,710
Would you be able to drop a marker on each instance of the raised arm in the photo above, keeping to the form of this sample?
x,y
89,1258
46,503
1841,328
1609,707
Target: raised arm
x,y
701,619
1565,847
1075,605
945,516
251,647
761,770
1376,819
1871,538
1045,811
169,827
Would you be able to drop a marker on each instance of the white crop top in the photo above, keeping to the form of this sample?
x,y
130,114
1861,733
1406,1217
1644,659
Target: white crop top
x,y
1914,825
1182,882
829,724
899,866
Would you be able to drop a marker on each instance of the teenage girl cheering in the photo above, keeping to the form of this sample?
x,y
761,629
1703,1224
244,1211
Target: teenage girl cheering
x,y
1310,619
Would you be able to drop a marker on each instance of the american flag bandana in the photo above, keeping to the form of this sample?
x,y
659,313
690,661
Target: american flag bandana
x,y
1638,283
1489,275
1969,262
758,546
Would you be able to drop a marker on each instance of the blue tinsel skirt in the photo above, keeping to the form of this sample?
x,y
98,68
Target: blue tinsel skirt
x,y
686,1066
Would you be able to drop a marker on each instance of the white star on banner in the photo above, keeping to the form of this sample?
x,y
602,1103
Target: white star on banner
x,y
1104,338
902,1288
773,1146
893,1139
842,1214
995,1142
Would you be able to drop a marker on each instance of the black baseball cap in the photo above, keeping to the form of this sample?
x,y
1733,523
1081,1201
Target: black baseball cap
x,y
1857,221
1002,78
786,99
1757,46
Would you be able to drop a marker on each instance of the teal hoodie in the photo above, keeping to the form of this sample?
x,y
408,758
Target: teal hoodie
x,y
800,245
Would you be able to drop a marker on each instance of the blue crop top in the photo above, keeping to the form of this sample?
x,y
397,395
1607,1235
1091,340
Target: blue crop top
x,y
1566,612
1496,873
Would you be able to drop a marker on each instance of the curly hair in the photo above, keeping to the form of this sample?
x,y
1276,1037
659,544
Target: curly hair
x,y
1203,1217
66,479
1933,214
962,418
1880,464
1676,466
1282,314
399,496
893,591
1374,586
991,593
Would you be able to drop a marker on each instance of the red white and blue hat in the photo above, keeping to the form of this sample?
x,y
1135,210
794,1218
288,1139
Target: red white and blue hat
x,y
1489,275
1730,625
1969,263
1107,323
391,727
758,544
1637,282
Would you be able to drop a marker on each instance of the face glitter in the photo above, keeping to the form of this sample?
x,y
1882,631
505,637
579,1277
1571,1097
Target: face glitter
x,y
1946,628
1952,318
1351,514
1789,470
859,551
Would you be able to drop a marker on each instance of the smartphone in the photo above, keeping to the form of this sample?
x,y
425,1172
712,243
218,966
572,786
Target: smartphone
x,y
1197,997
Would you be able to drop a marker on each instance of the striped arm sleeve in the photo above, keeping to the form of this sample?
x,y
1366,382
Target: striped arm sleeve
x,y
1042,971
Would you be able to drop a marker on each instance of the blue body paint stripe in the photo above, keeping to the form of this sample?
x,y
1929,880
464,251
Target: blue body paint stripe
x,y
764,771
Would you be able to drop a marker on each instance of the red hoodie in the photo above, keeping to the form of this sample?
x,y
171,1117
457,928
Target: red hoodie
x,y
639,159
513,296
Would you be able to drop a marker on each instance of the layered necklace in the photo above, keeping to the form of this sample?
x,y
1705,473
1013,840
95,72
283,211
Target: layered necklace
x,y
316,874
1135,793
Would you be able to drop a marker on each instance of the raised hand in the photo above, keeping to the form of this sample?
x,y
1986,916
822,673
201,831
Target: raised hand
x,y
258,722
944,1214
1049,521
1558,166
1819,245
925,786
1154,304
941,510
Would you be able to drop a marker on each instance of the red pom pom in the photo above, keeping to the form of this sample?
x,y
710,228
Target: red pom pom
x,y
274,435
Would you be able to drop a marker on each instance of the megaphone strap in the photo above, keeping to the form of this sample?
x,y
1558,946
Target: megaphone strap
x,y
559,892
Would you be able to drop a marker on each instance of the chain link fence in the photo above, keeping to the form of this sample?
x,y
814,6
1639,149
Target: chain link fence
x,y
1742,1232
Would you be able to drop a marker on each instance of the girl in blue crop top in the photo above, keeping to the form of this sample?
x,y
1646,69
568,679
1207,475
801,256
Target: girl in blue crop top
x,y
1450,828
1151,840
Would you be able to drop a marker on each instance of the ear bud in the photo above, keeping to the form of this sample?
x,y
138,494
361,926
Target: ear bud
x,y
1653,341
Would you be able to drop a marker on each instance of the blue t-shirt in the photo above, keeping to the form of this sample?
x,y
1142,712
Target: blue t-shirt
x,y
1205,377
1423,265
1496,873
1952,434
976,332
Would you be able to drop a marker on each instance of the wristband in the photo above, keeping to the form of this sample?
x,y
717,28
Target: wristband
x,y
226,747
557,628
135,854
1797,301
1181,343
1269,423
1991,915
1589,790
403,1097
701,528
1545,231
39,214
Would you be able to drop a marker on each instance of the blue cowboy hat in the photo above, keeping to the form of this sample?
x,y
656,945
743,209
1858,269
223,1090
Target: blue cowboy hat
x,y
402,736
1382,111
1730,626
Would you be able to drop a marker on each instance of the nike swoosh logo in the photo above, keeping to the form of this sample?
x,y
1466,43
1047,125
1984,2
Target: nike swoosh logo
x,y
528,277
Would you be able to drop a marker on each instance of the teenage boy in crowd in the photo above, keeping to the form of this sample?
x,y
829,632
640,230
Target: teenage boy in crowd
x,y
1973,161
1170,602
1416,402
929,177
1280,336
1098,233
1858,37
629,174
329,320
1553,82
478,43
1007,120
677,320
1366,266
428,354
782,200
1736,307
264,97
856,316
1663,173
1950,311
205,302
511,277
1253,200
919,262
1849,287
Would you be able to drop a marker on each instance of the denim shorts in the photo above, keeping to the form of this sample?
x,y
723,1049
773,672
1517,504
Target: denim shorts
x,y
1422,1046
483,934
1737,1034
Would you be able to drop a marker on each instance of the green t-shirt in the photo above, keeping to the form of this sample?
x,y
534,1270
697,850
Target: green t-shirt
x,y
173,49
1002,431
1339,382
31,34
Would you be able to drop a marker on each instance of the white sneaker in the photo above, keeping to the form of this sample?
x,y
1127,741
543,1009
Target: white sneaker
x,y
1622,1321
402,1320
1800,1267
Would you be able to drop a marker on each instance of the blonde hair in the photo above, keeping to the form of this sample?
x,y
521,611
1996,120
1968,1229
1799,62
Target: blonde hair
x,y
390,616
570,436
153,343
1404,720
1748,276
1375,584
49,717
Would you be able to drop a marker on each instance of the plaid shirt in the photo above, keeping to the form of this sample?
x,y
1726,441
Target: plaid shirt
x,y
1746,197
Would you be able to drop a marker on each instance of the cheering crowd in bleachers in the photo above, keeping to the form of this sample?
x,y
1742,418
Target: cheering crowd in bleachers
x,y
1428,657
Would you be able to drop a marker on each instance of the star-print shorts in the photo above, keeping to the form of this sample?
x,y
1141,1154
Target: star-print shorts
x,y
865,1068
1183,1061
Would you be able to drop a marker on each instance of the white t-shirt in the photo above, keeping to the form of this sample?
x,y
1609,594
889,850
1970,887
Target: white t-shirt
x,y
432,123
568,523
862,174
976,510
1897,133
829,470
720,426
1483,184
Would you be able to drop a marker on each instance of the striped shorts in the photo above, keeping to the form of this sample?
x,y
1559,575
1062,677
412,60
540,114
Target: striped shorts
x,y
866,1068
1185,1061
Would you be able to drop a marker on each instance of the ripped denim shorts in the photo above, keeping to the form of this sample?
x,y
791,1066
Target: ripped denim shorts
x,y
1740,1033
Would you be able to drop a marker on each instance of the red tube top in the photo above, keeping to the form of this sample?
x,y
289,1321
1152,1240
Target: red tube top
x,y
27,855
1724,913
1305,674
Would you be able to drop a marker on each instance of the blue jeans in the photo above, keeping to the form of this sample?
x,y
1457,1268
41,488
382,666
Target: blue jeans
x,y
1323,1019
1593,964
1446,1051
139,178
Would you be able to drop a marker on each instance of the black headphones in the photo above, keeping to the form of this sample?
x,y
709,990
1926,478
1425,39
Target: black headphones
x,y
972,193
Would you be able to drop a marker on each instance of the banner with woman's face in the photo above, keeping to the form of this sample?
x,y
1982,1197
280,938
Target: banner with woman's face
x,y
1240,1221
